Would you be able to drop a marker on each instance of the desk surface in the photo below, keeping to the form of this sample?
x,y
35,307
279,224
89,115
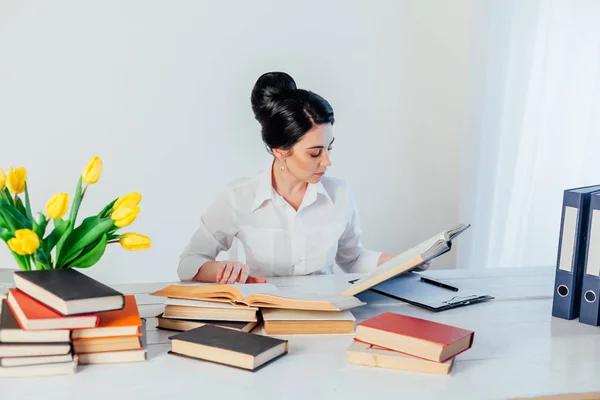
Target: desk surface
x,y
519,351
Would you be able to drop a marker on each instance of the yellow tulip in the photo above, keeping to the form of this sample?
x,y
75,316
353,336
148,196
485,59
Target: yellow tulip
x,y
91,173
25,242
135,241
129,200
16,180
124,216
2,179
57,206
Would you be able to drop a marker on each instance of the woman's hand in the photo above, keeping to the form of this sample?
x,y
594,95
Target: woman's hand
x,y
226,272
234,271
423,267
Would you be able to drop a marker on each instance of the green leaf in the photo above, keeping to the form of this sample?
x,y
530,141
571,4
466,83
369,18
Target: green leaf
x,y
61,240
60,226
22,261
9,197
5,234
76,203
108,209
90,230
3,222
91,255
21,207
14,219
41,260
39,226
113,236
27,204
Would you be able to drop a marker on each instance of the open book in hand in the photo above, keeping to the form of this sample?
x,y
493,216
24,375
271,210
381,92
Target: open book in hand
x,y
409,260
259,295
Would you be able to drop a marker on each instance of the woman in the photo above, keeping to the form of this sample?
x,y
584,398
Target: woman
x,y
291,219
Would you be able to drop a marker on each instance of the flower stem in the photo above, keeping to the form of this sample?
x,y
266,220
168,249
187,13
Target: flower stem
x,y
113,241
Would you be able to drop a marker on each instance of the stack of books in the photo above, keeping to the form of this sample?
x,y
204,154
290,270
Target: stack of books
x,y
118,337
397,341
54,320
259,308
183,315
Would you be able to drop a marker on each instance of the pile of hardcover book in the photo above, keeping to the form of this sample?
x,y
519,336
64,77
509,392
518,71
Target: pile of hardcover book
x,y
54,320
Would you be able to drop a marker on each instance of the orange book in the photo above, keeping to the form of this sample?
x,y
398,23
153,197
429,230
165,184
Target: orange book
x,y
414,336
124,322
35,316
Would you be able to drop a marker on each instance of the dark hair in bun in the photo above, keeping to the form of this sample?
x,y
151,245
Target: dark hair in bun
x,y
285,112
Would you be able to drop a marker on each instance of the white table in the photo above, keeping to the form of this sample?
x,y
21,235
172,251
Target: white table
x,y
519,351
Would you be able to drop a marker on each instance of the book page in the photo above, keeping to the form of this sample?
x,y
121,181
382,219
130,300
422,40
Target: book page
x,y
301,300
277,314
246,289
204,304
401,263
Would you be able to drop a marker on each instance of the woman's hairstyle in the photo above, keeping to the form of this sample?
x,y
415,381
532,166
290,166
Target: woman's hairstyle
x,y
285,112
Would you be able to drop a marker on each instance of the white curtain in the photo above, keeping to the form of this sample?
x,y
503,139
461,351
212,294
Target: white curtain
x,y
535,127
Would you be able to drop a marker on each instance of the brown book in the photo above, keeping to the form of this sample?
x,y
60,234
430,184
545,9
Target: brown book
x,y
288,322
34,349
414,336
112,357
123,322
229,347
34,360
408,260
182,325
373,356
208,310
115,343
61,368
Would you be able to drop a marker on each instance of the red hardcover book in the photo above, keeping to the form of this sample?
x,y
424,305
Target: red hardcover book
x,y
33,315
415,336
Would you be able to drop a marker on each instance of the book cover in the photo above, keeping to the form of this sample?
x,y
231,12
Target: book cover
x,y
228,346
68,284
415,336
126,321
12,332
33,315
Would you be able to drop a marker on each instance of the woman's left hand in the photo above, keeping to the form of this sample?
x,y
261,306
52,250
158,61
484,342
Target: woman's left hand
x,y
423,267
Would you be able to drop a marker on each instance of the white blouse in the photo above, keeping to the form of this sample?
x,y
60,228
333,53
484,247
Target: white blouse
x,y
278,240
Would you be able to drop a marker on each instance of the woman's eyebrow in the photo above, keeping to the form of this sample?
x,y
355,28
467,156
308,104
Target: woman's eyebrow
x,y
321,147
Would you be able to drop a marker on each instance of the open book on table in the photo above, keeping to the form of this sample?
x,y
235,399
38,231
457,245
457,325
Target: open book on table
x,y
268,295
259,295
409,260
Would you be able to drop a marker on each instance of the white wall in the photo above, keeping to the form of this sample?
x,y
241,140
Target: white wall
x,y
160,90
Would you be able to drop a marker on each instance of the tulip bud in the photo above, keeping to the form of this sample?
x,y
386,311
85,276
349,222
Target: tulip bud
x,y
129,200
16,180
25,242
135,241
57,206
2,179
91,173
124,216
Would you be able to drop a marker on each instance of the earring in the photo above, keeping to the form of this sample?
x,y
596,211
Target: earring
x,y
282,167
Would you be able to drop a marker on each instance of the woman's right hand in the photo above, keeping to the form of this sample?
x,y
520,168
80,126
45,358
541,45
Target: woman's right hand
x,y
234,271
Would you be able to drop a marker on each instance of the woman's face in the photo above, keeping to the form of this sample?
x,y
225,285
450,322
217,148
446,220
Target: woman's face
x,y
308,159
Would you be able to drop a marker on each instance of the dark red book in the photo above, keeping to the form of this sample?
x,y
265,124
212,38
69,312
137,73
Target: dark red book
x,y
415,336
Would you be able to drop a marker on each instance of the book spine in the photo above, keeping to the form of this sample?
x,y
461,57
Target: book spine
x,y
590,285
571,252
